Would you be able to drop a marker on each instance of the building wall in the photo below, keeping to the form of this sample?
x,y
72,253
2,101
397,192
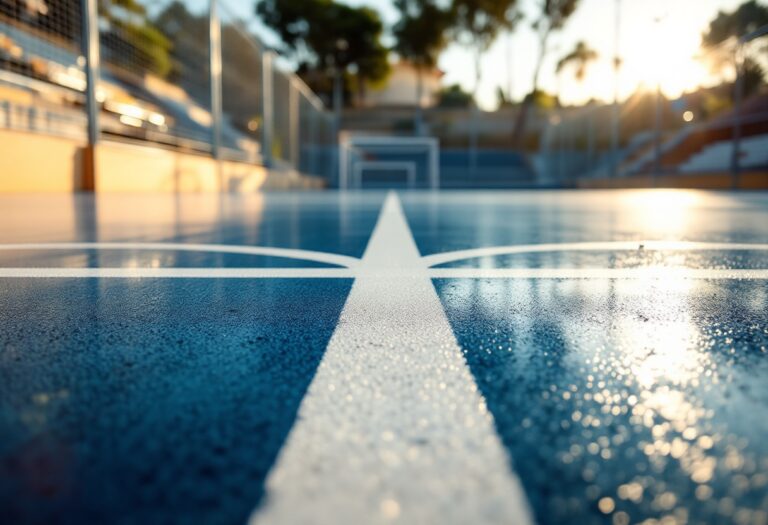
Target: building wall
x,y
31,162
401,88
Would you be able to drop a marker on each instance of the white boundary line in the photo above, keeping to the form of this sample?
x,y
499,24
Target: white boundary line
x,y
179,273
393,427
594,273
288,253
460,255
346,273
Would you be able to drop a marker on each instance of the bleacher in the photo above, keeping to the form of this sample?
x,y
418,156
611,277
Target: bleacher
x,y
717,156
493,169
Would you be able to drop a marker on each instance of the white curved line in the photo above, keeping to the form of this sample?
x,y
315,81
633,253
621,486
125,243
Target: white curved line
x,y
595,273
288,253
460,255
178,273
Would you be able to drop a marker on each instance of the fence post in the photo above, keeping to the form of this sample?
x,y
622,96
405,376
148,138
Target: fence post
x,y
434,160
737,105
293,122
90,48
313,142
657,138
268,107
214,52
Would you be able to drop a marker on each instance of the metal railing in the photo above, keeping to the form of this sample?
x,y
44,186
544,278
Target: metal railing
x,y
668,137
162,72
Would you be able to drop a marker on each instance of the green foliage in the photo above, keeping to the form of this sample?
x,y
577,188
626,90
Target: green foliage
x,y
148,47
541,99
729,25
325,34
580,58
554,14
421,32
481,21
454,97
754,76
552,17
720,39
502,99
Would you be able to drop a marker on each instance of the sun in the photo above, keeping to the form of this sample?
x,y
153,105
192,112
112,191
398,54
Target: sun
x,y
669,59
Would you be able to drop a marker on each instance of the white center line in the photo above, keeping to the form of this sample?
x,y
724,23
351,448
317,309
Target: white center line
x,y
393,427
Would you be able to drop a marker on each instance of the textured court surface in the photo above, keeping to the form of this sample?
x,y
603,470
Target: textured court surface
x,y
516,357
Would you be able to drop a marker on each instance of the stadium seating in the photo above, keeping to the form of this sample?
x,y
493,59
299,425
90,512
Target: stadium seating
x,y
717,156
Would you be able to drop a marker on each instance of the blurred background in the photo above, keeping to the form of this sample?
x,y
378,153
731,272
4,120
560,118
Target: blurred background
x,y
232,95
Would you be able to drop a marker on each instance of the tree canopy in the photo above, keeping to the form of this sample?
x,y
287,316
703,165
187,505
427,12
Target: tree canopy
x,y
481,21
731,25
721,37
454,97
579,58
133,41
325,34
421,32
551,17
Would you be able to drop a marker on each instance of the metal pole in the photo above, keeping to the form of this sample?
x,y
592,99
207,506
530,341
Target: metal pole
x,y
214,40
90,43
434,181
337,95
658,124
92,65
590,139
293,114
473,140
657,137
313,142
268,107
615,113
738,100
343,168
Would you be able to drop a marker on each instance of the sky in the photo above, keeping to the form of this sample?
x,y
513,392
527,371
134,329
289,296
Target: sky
x,y
659,42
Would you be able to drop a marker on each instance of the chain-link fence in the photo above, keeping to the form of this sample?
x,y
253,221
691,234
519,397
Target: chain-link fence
x,y
178,73
41,67
721,130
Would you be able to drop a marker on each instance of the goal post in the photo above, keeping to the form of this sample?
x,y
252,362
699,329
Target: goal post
x,y
358,153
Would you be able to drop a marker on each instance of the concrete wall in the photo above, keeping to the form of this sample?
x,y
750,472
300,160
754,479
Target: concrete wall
x,y
32,162
39,163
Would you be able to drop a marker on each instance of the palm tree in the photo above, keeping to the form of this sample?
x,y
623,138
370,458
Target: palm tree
x,y
579,58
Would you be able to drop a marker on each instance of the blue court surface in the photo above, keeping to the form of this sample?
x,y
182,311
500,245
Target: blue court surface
x,y
467,357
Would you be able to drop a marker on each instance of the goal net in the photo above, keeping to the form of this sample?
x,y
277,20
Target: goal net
x,y
386,160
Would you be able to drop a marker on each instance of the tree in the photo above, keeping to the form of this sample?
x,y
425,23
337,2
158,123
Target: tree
x,y
479,22
454,97
720,41
131,40
579,58
551,17
730,26
421,35
327,37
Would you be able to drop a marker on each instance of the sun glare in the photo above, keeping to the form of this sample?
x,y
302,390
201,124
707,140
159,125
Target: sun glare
x,y
660,47
668,58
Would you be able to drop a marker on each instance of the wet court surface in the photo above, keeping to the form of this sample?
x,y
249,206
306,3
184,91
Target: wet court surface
x,y
506,357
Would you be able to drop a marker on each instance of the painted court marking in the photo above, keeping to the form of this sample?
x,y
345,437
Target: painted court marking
x,y
288,253
393,425
613,246
350,266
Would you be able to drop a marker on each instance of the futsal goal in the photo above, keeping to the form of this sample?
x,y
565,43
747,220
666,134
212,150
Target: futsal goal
x,y
414,159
